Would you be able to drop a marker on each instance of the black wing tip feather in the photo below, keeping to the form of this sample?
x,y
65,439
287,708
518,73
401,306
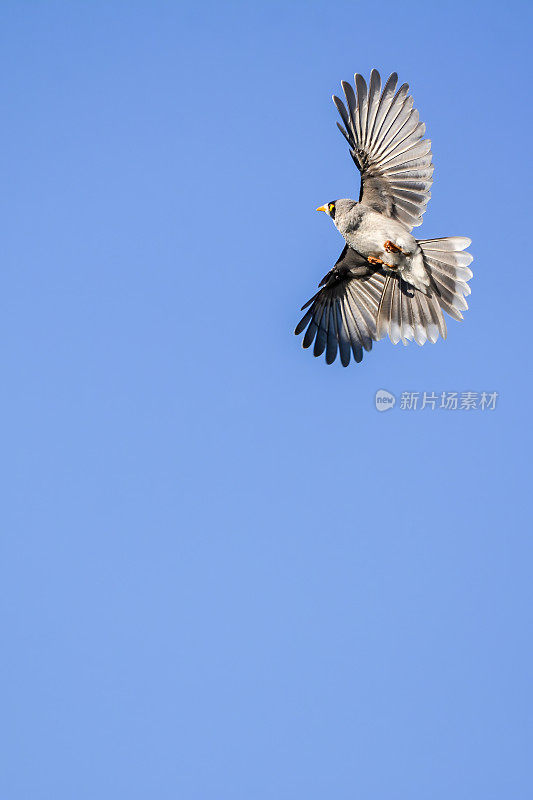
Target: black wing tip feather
x,y
341,319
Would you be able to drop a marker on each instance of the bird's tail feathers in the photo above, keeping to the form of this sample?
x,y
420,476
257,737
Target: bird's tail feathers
x,y
448,266
406,314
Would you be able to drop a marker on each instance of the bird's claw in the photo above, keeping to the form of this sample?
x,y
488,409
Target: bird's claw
x,y
390,247
380,263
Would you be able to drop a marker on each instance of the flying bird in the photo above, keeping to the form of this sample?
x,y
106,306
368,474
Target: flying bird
x,y
385,281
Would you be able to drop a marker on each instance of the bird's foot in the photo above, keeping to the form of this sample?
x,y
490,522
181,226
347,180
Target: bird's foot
x,y
380,263
390,247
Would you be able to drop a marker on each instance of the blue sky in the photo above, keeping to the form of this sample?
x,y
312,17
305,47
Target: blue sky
x,y
224,574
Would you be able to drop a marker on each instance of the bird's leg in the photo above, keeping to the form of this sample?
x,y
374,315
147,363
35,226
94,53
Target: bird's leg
x,y
390,247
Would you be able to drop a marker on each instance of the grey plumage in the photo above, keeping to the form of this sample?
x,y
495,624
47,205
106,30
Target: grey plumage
x,y
385,281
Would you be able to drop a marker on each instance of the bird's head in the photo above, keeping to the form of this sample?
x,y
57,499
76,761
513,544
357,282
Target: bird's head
x,y
337,207
328,208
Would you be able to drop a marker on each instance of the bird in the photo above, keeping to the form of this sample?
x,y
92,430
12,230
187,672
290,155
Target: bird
x,y
385,281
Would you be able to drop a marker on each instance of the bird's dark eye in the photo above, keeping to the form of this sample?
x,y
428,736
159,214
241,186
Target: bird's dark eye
x,y
331,209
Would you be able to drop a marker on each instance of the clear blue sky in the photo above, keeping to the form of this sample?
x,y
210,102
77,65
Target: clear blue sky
x,y
224,575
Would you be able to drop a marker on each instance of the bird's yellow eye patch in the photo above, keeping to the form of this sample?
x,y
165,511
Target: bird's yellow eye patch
x,y
331,206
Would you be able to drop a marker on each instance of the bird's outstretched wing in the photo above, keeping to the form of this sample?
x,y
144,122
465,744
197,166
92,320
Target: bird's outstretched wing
x,y
342,315
386,142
